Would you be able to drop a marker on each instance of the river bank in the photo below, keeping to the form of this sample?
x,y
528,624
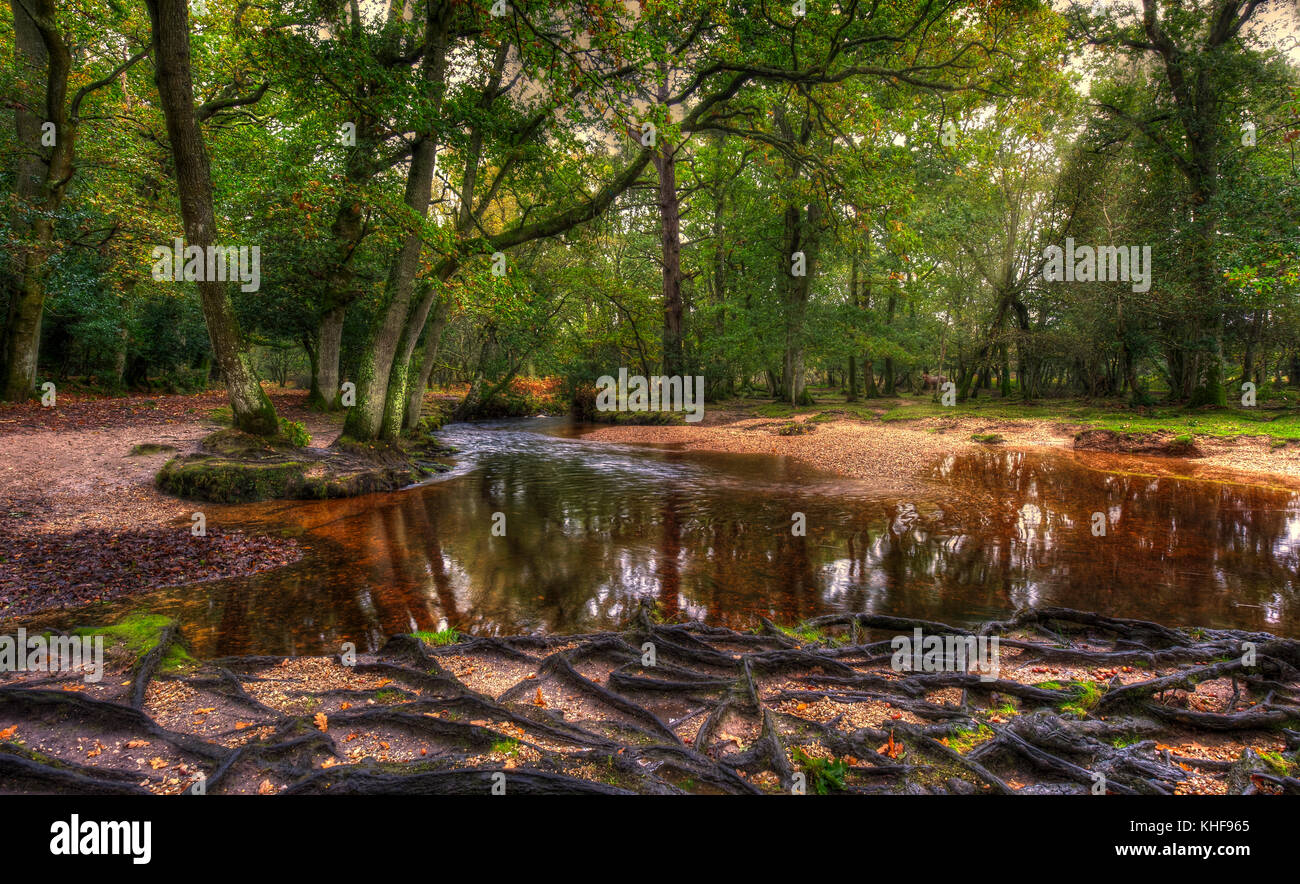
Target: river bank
x,y
881,442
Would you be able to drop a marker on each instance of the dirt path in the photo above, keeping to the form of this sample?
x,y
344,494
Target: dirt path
x,y
895,453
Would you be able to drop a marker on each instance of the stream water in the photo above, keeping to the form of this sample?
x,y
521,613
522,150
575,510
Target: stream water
x,y
592,528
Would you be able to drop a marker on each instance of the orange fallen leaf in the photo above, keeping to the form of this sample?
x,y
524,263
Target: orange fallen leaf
x,y
321,721
240,725
265,788
891,748
538,700
8,732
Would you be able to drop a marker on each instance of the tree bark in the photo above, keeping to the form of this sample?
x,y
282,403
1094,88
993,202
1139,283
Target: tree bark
x,y
670,240
325,374
42,176
432,344
253,411
375,381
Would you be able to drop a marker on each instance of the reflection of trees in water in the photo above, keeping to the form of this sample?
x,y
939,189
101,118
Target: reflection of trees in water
x,y
300,609
581,547
1180,549
584,541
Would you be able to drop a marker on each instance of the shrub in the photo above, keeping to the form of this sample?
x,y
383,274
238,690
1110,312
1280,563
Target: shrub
x,y
294,433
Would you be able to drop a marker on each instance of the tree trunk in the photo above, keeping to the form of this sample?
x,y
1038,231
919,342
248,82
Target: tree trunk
x,y
432,343
670,240
325,370
42,176
376,385
253,411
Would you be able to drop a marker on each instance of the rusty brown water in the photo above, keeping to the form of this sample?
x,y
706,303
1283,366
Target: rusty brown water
x,y
591,529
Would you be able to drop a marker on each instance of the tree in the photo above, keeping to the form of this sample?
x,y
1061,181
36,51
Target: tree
x,y
251,408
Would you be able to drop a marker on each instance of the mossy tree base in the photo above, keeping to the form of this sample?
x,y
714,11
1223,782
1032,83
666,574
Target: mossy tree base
x,y
236,467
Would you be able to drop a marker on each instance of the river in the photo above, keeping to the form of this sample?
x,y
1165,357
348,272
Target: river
x,y
588,529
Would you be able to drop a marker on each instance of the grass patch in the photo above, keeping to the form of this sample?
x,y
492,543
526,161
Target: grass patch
x,y
441,637
1086,696
1277,423
811,635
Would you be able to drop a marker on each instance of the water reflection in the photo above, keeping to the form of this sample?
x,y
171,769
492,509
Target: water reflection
x,y
590,529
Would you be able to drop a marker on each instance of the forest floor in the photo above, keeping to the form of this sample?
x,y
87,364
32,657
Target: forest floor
x,y
1075,704
893,441
81,520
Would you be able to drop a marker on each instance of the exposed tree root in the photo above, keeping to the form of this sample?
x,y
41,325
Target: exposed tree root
x,y
1122,706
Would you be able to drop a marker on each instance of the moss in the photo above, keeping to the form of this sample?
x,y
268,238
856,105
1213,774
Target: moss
x,y
794,428
963,739
506,747
226,481
146,448
1280,765
987,438
136,635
